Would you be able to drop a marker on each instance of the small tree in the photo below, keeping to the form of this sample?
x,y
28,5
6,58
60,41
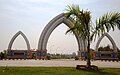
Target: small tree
x,y
106,48
100,49
84,27
5,54
1,55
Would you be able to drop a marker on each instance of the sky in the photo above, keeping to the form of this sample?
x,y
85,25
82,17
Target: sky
x,y
31,16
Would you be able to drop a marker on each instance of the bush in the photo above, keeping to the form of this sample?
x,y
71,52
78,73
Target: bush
x,y
119,55
48,57
76,58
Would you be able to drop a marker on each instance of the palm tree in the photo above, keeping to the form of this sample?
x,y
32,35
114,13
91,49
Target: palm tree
x,y
86,30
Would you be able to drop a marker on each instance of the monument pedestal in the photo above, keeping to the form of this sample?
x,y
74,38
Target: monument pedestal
x,y
41,54
17,54
82,55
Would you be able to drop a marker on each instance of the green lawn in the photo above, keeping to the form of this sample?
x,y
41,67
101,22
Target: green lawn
x,y
55,71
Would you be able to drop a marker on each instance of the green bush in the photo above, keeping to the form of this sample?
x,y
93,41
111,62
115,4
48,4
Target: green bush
x,y
118,55
48,57
76,58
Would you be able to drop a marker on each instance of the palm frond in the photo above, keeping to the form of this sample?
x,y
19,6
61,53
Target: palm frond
x,y
71,10
106,23
70,30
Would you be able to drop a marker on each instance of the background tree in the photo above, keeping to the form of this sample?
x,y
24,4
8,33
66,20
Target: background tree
x,y
3,55
106,48
85,28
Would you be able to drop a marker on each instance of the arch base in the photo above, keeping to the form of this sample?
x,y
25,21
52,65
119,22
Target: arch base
x,y
41,54
17,54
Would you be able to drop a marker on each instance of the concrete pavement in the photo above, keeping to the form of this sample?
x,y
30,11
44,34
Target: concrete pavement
x,y
56,63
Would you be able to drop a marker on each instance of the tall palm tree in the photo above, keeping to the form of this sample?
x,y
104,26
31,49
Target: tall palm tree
x,y
86,30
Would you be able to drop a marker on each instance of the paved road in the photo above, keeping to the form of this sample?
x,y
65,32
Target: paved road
x,y
56,63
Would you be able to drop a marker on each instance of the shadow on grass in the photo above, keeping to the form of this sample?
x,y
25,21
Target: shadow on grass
x,y
102,71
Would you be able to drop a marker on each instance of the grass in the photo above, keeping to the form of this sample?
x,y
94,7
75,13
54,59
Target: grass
x,y
55,71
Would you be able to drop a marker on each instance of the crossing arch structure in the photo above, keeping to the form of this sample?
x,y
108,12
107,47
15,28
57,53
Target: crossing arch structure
x,y
55,22
15,36
111,40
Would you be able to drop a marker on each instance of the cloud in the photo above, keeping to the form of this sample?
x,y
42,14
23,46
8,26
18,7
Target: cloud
x,y
32,15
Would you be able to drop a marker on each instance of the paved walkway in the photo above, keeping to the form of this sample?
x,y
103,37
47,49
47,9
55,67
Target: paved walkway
x,y
56,63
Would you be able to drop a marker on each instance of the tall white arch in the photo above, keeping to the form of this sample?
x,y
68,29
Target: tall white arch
x,y
15,36
51,26
111,40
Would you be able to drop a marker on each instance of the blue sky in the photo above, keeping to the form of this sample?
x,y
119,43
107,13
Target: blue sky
x,y
31,16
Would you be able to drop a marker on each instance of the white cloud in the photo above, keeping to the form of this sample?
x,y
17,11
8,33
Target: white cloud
x,y
33,15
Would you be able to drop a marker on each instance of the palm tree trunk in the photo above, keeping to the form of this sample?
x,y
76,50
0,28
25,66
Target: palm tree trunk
x,y
88,46
88,54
